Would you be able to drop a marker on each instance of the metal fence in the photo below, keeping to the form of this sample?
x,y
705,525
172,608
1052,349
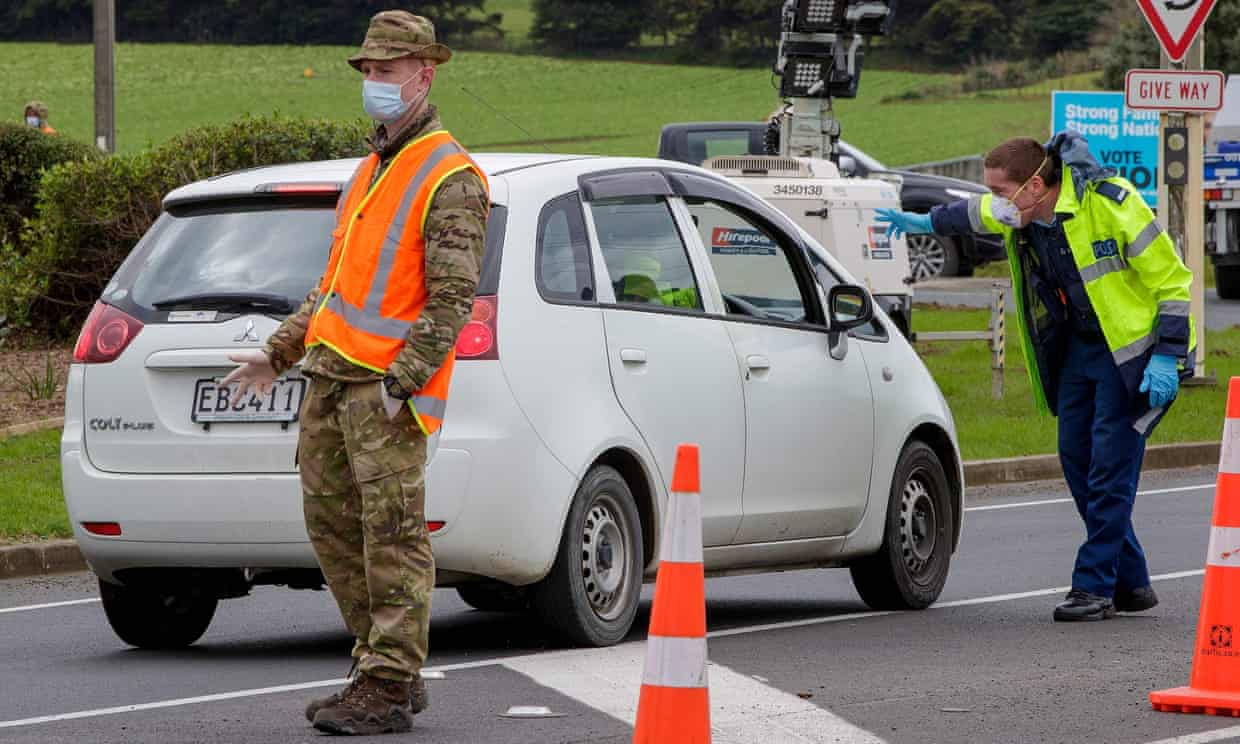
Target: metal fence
x,y
967,168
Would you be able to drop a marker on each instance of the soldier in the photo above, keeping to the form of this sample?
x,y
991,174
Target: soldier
x,y
378,336
36,116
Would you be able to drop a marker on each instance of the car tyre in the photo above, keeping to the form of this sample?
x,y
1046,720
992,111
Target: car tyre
x,y
149,618
910,568
494,596
591,594
932,256
1227,282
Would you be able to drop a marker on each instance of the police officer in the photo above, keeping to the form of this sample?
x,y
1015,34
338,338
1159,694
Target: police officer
x,y
1102,302
36,116
378,336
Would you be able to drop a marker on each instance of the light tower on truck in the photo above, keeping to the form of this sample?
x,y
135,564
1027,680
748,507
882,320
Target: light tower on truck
x,y
820,59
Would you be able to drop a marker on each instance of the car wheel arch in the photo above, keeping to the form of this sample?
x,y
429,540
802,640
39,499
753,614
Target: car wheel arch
x,y
630,466
935,437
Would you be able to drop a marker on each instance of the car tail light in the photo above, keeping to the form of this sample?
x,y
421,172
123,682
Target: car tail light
x,y
434,526
105,335
107,529
1214,194
477,339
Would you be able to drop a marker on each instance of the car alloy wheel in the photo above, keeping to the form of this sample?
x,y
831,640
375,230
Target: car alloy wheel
x,y
927,256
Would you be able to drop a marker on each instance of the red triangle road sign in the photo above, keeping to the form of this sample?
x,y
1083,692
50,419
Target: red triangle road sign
x,y
1176,22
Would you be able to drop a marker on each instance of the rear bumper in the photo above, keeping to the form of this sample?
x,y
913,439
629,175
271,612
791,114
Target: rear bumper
x,y
499,491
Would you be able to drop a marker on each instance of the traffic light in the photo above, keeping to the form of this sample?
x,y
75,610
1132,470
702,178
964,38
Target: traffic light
x,y
1175,156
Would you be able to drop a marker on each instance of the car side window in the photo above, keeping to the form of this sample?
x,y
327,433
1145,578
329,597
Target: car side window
x,y
753,268
562,256
647,263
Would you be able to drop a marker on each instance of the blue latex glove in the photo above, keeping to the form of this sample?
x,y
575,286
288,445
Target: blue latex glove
x,y
1162,380
904,222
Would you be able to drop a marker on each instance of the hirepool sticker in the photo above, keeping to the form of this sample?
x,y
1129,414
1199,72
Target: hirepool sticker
x,y
729,241
880,244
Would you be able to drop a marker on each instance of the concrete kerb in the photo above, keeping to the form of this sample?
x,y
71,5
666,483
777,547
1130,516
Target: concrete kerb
x,y
60,556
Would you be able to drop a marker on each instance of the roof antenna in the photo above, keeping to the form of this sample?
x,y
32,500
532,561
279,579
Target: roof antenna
x,y
501,114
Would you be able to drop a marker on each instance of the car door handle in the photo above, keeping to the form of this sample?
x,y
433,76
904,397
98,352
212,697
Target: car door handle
x,y
757,363
633,356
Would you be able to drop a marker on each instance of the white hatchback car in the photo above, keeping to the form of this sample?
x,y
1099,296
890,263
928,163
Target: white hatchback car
x,y
626,305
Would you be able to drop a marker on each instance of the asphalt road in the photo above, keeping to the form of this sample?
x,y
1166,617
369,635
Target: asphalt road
x,y
795,657
975,292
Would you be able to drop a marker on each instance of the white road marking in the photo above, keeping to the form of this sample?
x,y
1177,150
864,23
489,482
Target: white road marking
x,y
46,605
742,710
1202,738
1044,502
557,657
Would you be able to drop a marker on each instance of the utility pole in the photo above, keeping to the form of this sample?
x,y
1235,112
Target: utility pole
x,y
105,75
1180,196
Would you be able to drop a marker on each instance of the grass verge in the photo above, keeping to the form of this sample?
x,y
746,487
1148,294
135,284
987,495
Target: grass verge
x,y
31,501
1011,427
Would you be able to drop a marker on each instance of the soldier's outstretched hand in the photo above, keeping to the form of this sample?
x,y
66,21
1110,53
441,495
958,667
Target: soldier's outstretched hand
x,y
255,372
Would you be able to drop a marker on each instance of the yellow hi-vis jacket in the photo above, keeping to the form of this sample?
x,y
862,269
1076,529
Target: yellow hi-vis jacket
x,y
1130,274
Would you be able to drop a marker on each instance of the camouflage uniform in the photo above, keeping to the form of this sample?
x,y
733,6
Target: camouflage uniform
x,y
362,474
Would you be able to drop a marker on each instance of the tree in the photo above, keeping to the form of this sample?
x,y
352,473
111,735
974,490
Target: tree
x,y
588,25
1062,25
960,31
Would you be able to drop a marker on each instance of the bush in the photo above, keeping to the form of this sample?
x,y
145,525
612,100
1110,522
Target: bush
x,y
90,213
25,154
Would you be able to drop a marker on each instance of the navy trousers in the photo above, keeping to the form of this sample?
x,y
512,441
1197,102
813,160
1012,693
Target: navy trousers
x,y
1101,455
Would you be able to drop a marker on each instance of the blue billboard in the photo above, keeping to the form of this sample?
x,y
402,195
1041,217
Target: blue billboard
x,y
1119,137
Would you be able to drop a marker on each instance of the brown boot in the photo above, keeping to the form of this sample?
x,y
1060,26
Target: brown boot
x,y
371,705
419,699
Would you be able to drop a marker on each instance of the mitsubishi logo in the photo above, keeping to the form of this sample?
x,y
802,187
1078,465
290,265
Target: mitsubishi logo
x,y
248,334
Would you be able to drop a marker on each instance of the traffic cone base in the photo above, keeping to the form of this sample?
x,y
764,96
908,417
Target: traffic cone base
x,y
661,715
1188,700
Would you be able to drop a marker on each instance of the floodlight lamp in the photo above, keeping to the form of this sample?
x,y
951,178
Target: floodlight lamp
x,y
869,17
817,76
820,16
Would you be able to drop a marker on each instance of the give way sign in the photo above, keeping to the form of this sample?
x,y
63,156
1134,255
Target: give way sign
x,y
1176,22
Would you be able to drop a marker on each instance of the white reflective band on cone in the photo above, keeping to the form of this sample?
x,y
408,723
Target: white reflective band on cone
x,y
682,540
675,662
1229,458
1224,547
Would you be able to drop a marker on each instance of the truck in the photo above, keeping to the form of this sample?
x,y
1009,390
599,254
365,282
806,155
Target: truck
x,y
1222,193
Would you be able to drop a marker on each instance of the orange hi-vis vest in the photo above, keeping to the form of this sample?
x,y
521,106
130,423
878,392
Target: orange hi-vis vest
x,y
374,288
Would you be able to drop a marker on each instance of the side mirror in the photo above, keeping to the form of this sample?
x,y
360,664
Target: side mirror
x,y
848,306
848,165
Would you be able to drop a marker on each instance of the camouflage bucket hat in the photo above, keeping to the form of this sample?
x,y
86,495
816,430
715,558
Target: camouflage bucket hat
x,y
399,33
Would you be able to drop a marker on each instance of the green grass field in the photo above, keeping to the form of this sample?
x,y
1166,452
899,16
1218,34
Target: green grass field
x,y
557,105
31,504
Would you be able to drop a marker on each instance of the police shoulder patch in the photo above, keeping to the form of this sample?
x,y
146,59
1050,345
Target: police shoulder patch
x,y
1113,191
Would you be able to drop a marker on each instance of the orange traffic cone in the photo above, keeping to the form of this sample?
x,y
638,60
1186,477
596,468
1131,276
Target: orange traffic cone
x,y
1214,687
674,707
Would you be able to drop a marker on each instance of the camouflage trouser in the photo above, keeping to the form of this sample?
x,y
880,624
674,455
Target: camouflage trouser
x,y
362,481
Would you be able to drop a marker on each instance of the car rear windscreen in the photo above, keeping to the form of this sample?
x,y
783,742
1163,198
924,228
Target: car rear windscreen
x,y
270,249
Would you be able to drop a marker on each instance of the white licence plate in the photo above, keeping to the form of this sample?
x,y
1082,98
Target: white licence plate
x,y
281,404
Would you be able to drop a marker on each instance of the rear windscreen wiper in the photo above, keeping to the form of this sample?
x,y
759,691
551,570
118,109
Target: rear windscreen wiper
x,y
228,300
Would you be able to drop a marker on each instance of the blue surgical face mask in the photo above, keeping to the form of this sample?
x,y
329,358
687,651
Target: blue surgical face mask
x,y
32,121
382,101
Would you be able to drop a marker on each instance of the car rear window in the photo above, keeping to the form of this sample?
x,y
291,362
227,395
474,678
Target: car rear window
x,y
271,248
267,247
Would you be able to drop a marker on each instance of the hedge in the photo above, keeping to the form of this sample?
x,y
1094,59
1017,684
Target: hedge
x,y
91,213
25,153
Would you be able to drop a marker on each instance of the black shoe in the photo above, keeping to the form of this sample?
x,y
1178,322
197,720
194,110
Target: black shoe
x,y
1081,605
1141,598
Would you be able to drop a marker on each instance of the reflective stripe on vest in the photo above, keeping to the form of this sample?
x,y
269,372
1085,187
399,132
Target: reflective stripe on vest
x,y
1143,240
1101,268
374,289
